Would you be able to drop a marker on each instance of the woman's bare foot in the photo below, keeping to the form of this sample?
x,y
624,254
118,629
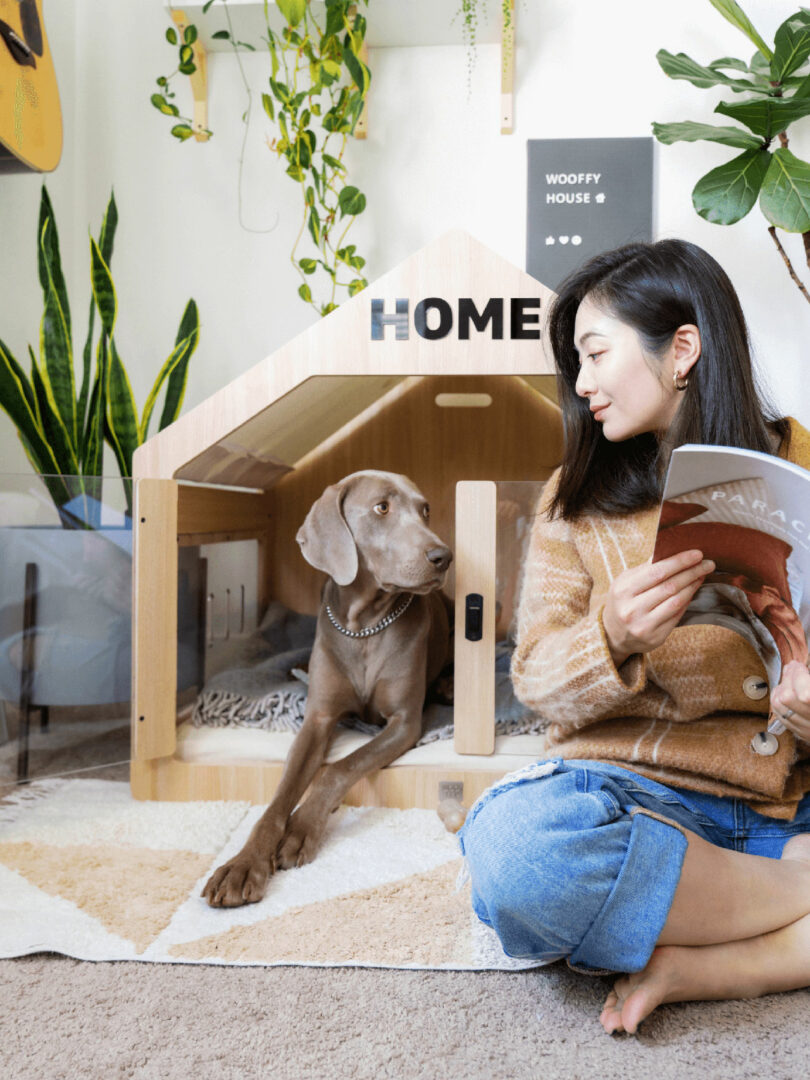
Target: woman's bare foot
x,y
634,996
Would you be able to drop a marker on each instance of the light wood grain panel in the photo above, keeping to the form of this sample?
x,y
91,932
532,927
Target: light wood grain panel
x,y
474,670
154,615
454,266
213,510
402,786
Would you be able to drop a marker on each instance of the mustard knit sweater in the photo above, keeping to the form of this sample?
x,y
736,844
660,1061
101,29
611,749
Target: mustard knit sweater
x,y
681,714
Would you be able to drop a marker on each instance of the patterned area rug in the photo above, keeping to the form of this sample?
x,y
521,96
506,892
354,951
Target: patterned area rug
x,y
90,872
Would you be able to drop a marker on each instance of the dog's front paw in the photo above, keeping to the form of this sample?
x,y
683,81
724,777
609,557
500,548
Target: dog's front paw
x,y
241,880
300,843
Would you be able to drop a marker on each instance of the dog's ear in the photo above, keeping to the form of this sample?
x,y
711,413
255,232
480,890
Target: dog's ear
x,y
325,539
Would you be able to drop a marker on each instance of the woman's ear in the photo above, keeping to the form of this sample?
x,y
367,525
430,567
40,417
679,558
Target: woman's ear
x,y
685,348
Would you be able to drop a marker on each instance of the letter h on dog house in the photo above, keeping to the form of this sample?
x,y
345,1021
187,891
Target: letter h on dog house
x,y
455,412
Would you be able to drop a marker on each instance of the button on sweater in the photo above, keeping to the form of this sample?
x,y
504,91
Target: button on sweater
x,y
683,713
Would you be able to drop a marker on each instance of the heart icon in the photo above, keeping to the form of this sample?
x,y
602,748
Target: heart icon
x,y
563,239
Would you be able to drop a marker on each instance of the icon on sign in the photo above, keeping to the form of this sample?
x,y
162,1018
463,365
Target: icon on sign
x,y
576,240
600,196
550,240
563,239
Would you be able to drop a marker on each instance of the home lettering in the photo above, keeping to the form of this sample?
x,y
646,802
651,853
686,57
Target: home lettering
x,y
433,318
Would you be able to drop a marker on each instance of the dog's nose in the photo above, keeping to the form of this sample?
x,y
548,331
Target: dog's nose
x,y
441,557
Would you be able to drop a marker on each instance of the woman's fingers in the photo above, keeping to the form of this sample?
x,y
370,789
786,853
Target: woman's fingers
x,y
793,693
677,589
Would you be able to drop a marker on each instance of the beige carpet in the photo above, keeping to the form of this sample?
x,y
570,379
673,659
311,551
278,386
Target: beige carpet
x,y
90,872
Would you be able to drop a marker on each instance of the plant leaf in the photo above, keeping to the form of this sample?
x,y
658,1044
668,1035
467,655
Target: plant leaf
x,y
785,196
189,332
687,131
357,69
56,347
105,244
730,62
17,399
122,414
681,66
732,11
103,288
292,10
766,116
791,46
726,194
46,214
351,201
53,428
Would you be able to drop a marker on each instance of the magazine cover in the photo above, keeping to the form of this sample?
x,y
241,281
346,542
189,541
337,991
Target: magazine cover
x,y
750,513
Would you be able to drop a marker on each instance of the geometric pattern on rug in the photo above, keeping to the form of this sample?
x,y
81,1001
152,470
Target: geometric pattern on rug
x,y
90,872
105,882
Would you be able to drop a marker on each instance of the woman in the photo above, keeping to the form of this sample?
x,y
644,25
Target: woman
x,y
656,842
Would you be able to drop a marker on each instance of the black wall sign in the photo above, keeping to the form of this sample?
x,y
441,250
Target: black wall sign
x,y
585,196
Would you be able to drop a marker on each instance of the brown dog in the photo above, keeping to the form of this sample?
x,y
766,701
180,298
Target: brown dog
x,y
382,637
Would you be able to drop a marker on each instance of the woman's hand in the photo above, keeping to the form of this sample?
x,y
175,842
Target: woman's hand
x,y
793,693
647,601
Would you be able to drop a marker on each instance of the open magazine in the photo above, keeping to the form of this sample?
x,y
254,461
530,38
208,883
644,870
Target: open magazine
x,y
750,513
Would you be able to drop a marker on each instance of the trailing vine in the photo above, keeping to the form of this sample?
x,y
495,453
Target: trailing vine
x,y
317,89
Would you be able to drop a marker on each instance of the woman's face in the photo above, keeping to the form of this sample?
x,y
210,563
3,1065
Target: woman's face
x,y
624,394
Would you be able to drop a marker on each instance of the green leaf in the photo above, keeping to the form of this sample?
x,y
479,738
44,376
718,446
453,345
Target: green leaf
x,y
93,442
190,35
681,66
222,35
187,68
179,355
17,399
691,132
791,47
56,346
54,258
206,6
785,197
292,10
357,69
296,172
726,194
732,11
351,201
267,102
802,89
160,102
186,54
314,225
188,332
122,414
730,62
309,266
182,132
768,116
103,288
171,36
54,430
333,163
357,286
305,293
326,308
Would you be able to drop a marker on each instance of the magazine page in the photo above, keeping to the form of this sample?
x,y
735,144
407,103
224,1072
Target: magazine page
x,y
750,513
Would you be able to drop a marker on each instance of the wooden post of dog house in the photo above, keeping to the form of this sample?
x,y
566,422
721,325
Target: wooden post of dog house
x,y
154,602
474,678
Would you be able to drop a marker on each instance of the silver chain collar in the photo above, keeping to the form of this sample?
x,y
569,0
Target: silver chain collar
x,y
369,631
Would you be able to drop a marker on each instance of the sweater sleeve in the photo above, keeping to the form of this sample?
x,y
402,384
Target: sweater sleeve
x,y
562,667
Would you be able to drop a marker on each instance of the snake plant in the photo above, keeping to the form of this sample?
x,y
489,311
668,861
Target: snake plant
x,y
63,432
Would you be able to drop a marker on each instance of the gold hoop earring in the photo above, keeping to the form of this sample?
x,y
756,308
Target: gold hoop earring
x,y
679,381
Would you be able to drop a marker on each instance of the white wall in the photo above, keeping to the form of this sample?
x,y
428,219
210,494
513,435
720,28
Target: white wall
x,y
434,160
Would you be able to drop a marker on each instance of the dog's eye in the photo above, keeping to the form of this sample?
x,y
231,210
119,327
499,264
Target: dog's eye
x,y
425,511
381,508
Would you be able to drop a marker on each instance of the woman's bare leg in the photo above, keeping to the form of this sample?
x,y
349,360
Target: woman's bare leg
x,y
764,905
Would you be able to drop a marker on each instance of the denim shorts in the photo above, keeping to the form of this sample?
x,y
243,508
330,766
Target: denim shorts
x,y
572,858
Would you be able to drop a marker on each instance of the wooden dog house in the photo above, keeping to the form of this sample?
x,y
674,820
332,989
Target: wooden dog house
x,y
437,370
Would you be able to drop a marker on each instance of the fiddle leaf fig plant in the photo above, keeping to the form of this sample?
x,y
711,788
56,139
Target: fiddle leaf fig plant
x,y
776,85
63,432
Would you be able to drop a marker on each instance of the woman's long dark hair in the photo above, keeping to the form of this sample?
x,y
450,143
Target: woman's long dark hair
x,y
655,288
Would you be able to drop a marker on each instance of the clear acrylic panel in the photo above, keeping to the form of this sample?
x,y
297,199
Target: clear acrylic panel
x,y
65,626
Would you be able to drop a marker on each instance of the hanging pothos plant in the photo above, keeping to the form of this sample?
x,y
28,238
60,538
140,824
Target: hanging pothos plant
x,y
317,89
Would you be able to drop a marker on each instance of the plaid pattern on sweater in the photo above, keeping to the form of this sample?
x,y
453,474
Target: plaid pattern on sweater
x,y
679,714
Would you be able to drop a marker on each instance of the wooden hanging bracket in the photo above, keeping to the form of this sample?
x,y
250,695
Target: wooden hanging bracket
x,y
199,80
